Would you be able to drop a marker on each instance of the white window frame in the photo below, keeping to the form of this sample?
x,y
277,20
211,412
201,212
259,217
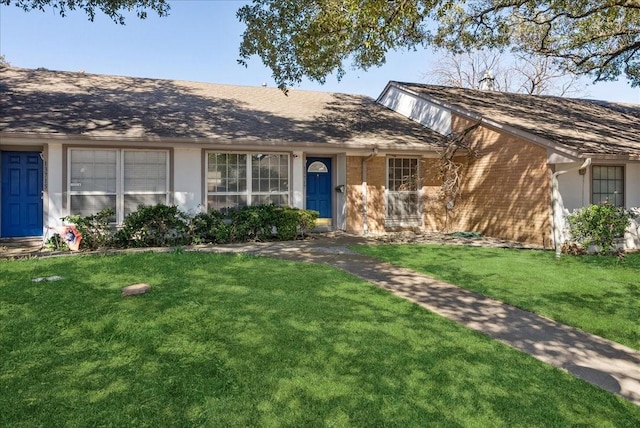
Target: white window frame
x,y
120,170
415,220
249,192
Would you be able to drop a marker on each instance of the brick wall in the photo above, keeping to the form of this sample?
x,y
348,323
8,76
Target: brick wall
x,y
505,194
506,190
376,179
434,212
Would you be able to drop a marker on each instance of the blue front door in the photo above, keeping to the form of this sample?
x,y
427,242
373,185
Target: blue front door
x,y
21,194
319,186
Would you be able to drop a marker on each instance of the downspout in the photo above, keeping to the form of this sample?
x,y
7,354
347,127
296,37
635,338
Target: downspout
x,y
365,225
557,207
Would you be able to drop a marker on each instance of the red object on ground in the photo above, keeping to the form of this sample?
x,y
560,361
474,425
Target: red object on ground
x,y
70,235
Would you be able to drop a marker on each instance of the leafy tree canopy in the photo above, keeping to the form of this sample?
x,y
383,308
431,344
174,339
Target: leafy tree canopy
x,y
114,9
315,38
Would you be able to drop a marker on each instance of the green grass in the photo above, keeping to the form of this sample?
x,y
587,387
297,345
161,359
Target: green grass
x,y
598,294
242,341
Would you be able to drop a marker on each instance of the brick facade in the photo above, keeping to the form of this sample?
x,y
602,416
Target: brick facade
x,y
376,181
505,194
506,190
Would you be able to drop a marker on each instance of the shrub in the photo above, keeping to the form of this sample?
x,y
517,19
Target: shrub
x,y
209,227
599,225
96,229
154,226
307,221
267,222
56,243
162,225
287,221
252,223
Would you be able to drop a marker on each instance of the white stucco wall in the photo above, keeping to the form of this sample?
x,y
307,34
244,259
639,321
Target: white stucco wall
x,y
297,180
632,185
55,186
415,108
575,193
632,198
187,179
574,187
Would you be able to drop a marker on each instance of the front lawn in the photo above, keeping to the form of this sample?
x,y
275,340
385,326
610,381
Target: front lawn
x,y
599,294
242,341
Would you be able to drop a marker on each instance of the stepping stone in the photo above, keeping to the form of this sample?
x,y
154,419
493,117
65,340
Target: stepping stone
x,y
135,289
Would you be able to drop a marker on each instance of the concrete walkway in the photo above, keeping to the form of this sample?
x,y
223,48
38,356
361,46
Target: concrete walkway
x,y
609,365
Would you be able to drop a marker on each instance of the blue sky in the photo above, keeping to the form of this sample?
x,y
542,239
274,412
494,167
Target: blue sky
x,y
199,41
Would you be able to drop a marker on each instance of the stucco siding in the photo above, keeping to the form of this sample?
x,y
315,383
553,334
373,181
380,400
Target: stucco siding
x,y
188,179
632,186
574,187
418,109
54,186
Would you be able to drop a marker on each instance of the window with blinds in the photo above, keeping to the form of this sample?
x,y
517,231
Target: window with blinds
x,y
235,180
116,178
145,179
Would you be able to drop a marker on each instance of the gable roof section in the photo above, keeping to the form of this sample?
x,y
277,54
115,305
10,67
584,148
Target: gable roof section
x,y
590,128
61,104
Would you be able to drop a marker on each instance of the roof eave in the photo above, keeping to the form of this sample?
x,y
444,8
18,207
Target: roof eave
x,y
549,144
7,138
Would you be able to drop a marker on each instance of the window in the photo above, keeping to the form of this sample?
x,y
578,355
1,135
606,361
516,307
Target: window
x,y
607,184
117,179
318,167
236,180
403,193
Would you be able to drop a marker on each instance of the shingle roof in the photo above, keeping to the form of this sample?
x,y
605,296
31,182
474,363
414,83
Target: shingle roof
x,y
67,103
586,126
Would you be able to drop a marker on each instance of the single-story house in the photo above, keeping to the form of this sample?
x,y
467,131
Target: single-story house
x,y
75,143
538,158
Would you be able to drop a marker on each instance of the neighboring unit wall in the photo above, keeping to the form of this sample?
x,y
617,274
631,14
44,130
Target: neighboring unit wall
x,y
375,184
506,191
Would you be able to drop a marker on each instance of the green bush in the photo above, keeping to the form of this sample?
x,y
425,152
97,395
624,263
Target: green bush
x,y
291,222
268,222
154,226
599,225
96,230
56,243
307,220
210,227
162,225
252,223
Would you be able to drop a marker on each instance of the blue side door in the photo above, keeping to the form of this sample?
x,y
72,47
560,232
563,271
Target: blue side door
x,y
319,186
21,194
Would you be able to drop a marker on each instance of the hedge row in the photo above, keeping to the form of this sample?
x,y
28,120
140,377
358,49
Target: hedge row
x,y
166,226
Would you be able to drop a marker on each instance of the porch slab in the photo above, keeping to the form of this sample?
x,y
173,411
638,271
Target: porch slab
x,y
20,247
